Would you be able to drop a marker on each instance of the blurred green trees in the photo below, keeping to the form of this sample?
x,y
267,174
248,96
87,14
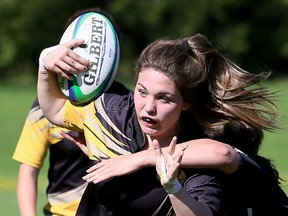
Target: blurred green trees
x,y
254,33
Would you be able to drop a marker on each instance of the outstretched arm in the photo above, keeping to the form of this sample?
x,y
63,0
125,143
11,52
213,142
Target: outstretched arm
x,y
55,60
201,153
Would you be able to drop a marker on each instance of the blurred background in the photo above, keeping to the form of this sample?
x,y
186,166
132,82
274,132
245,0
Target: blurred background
x,y
253,33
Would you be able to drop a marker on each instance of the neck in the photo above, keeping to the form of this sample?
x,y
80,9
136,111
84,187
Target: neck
x,y
163,140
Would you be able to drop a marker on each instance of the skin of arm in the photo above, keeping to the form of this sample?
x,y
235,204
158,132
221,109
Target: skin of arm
x,y
64,62
205,153
201,153
27,190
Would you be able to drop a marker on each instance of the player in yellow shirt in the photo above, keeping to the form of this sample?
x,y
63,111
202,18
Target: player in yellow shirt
x,y
67,165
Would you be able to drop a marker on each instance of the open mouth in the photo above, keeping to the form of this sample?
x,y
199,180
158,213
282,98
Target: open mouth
x,y
149,120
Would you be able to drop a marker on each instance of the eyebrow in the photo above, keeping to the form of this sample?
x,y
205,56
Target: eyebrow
x,y
141,85
162,92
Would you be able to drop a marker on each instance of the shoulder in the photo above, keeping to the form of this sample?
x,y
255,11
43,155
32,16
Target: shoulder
x,y
118,96
118,99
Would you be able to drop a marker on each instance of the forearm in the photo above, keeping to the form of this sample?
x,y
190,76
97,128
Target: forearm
x,y
200,153
51,98
27,190
63,61
184,204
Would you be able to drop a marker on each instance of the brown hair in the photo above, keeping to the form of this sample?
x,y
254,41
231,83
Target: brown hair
x,y
217,90
227,101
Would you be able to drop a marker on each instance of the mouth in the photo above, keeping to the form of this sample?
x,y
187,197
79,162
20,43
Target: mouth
x,y
148,120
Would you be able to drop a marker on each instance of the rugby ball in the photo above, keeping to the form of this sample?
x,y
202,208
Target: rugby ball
x,y
101,48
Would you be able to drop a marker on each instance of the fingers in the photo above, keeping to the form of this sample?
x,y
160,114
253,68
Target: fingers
x,y
167,165
95,167
79,141
179,153
98,173
64,61
70,63
172,145
75,61
67,136
157,148
96,178
73,43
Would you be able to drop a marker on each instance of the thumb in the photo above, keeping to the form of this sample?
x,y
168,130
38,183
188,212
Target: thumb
x,y
79,141
160,163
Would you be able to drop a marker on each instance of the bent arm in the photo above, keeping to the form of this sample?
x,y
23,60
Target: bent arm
x,y
51,98
27,190
64,62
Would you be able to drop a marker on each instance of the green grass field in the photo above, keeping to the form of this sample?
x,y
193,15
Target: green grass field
x,y
16,102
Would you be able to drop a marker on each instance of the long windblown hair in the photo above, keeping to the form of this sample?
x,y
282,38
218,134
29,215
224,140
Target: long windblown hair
x,y
228,102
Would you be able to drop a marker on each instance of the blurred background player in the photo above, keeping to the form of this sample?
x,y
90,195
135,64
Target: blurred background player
x,y
67,165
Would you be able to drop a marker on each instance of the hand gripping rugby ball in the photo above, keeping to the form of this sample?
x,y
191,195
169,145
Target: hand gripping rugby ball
x,y
101,48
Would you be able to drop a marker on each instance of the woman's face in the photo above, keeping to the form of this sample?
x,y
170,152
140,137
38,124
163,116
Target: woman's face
x,y
158,104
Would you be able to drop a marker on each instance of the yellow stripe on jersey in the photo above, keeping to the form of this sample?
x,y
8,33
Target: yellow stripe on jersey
x,y
101,143
69,196
36,133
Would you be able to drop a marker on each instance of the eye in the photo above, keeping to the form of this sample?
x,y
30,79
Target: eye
x,y
164,99
142,92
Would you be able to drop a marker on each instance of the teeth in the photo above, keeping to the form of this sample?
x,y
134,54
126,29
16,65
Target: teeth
x,y
147,120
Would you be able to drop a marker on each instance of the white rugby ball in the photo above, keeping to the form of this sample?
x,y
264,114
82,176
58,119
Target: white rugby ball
x,y
101,47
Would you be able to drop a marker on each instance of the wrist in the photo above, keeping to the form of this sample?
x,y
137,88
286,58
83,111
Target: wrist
x,y
146,158
43,54
172,187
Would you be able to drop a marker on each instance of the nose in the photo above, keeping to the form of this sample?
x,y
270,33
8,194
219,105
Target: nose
x,y
150,106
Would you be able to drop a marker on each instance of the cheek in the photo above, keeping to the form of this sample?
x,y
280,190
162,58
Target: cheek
x,y
138,103
170,114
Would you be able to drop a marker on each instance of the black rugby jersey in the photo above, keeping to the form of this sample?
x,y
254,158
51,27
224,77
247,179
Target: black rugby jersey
x,y
253,191
111,128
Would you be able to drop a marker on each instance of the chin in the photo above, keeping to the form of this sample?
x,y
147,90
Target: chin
x,y
148,131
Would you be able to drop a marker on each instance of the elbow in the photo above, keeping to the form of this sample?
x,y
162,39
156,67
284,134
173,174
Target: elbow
x,y
229,159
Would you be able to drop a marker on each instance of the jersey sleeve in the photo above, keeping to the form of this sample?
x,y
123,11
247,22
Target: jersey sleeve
x,y
260,187
73,116
33,143
206,189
